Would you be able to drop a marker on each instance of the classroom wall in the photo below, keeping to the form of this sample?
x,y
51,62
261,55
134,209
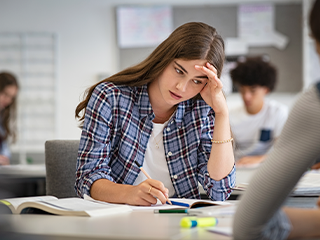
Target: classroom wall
x,y
287,20
87,46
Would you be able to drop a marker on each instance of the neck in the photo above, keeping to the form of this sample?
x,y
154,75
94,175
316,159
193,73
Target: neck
x,y
161,109
254,110
161,116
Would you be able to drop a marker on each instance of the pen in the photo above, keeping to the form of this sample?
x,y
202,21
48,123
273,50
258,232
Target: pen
x,y
180,204
171,211
147,175
189,222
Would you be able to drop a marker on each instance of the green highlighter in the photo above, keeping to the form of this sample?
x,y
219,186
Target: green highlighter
x,y
189,222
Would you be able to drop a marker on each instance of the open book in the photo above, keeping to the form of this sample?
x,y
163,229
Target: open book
x,y
194,203
180,203
63,206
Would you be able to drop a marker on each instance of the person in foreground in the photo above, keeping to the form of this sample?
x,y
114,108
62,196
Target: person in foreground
x,y
8,92
260,214
258,122
167,113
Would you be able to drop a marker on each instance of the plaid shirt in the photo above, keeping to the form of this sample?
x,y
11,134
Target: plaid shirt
x,y
117,128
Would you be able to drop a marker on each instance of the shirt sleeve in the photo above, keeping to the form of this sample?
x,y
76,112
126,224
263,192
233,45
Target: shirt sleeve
x,y
5,149
294,152
94,148
282,115
216,190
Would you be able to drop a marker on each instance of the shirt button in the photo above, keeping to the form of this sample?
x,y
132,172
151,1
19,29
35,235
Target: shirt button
x,y
168,129
169,153
175,176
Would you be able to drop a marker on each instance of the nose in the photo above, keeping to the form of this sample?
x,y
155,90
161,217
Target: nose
x,y
182,86
247,96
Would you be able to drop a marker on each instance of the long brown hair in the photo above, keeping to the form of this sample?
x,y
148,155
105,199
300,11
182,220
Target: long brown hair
x,y
314,20
190,41
8,115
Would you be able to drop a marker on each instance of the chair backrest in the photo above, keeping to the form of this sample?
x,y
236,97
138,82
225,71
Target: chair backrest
x,y
61,160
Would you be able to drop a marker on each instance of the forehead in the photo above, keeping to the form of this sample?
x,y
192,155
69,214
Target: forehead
x,y
184,62
10,90
250,88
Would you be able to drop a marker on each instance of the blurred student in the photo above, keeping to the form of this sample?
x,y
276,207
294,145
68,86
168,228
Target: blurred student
x,y
260,214
259,121
169,114
8,92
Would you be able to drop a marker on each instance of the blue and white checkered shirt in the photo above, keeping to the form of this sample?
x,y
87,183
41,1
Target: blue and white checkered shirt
x,y
117,128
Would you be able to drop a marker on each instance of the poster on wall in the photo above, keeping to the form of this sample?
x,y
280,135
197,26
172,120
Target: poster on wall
x,y
256,26
145,26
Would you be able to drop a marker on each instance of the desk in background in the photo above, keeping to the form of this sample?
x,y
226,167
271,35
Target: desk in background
x,y
22,180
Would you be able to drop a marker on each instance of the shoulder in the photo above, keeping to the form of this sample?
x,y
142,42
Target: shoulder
x,y
111,92
276,108
110,88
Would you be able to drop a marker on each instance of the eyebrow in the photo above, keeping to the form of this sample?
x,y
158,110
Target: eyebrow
x,y
184,70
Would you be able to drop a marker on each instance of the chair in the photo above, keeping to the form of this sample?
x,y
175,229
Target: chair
x,y
60,161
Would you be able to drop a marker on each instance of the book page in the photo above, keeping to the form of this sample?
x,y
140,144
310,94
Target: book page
x,y
194,202
215,211
15,202
189,202
76,207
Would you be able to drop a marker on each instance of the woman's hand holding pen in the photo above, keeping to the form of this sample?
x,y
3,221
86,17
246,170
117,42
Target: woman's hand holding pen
x,y
147,193
212,93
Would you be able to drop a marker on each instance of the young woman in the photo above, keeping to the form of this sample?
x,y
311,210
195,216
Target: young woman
x,y
8,92
163,114
259,215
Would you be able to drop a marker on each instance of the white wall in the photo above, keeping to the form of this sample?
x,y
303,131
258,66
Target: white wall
x,y
87,43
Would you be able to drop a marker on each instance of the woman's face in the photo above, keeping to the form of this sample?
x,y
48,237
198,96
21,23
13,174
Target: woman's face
x,y
7,96
180,81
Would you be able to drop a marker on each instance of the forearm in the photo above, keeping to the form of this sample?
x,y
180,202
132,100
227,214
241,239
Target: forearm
x,y
108,191
251,159
221,158
305,222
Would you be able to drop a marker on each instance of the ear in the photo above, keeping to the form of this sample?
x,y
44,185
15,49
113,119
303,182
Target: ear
x,y
266,90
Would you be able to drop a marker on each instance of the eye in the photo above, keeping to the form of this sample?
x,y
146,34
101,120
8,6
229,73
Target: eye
x,y
197,81
178,71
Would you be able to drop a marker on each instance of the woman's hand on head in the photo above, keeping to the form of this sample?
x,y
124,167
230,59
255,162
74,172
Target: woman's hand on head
x,y
212,93
147,193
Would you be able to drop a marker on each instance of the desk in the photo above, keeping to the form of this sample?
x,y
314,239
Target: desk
x,y
22,180
134,225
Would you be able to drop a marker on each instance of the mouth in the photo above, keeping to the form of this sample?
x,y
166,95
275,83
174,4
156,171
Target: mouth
x,y
175,96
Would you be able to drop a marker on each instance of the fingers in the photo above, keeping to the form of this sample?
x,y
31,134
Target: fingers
x,y
155,189
211,72
316,166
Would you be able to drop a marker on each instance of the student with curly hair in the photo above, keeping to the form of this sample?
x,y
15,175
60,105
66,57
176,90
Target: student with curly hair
x,y
169,114
259,121
8,92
